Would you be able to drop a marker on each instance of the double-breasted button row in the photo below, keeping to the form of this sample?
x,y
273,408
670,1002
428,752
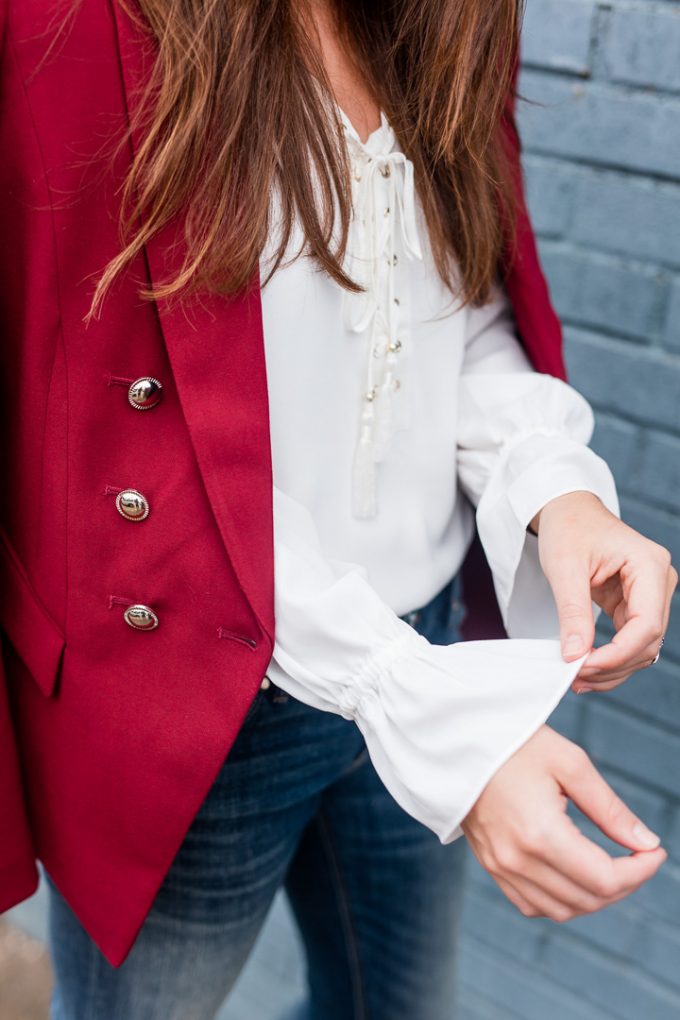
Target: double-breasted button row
x,y
144,394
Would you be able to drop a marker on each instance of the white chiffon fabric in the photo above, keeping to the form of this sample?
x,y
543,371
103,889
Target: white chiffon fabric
x,y
470,426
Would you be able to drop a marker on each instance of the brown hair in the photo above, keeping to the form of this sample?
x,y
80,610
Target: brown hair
x,y
238,101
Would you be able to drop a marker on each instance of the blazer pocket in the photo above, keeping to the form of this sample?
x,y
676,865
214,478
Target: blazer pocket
x,y
30,629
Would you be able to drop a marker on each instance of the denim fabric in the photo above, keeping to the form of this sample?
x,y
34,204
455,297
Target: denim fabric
x,y
297,803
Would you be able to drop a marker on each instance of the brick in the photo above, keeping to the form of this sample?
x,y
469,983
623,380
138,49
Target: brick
x,y
530,994
602,292
672,329
626,216
658,469
661,895
613,928
473,1006
619,443
600,124
633,746
653,692
640,384
657,950
641,47
607,982
549,190
672,842
493,919
556,34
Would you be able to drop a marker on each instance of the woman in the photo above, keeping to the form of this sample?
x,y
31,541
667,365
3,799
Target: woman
x,y
364,161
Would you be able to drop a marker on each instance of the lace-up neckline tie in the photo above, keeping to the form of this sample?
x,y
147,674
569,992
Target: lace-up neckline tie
x,y
382,230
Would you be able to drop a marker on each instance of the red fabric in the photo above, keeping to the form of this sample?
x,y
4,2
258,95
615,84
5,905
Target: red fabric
x,y
110,738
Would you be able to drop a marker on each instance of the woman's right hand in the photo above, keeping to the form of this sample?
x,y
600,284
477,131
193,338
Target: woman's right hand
x,y
521,834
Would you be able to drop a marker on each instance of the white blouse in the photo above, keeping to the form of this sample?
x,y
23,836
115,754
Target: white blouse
x,y
394,414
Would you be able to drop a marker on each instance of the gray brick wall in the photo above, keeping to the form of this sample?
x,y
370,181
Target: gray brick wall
x,y
602,164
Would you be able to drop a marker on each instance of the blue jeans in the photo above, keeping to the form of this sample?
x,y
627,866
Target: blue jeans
x,y
297,803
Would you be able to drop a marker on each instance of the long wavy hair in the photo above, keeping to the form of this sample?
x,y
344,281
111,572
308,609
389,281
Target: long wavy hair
x,y
239,102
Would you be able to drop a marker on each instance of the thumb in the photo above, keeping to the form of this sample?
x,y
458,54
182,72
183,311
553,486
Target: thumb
x,y
593,795
570,585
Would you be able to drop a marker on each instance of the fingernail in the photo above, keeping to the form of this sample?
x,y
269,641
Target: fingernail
x,y
573,645
584,690
648,839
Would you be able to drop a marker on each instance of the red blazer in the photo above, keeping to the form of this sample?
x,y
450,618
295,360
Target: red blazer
x,y
111,737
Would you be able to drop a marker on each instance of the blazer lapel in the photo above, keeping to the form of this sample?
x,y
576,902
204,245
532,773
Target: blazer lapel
x,y
216,350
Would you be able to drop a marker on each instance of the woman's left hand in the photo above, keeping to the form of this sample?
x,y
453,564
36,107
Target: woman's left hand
x,y
589,554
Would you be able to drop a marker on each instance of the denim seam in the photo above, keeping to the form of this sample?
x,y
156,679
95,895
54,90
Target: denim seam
x,y
347,925
359,759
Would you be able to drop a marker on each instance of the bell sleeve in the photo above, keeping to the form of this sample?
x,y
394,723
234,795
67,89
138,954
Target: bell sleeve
x,y
438,720
522,441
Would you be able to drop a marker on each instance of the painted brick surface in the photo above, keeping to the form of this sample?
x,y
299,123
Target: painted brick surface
x,y
631,217
602,168
557,34
635,383
640,45
597,291
601,123
672,330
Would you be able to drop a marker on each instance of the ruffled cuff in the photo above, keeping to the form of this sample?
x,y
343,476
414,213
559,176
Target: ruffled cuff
x,y
532,471
440,720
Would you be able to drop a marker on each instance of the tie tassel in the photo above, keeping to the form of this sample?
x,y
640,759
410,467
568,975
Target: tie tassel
x,y
382,429
363,476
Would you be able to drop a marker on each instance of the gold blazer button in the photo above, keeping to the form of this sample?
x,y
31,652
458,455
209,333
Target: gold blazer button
x,y
145,393
132,505
141,617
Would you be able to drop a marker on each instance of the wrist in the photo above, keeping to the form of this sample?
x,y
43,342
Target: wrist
x,y
569,502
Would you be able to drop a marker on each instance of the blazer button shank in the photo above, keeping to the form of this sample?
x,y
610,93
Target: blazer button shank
x,y
132,505
141,617
145,393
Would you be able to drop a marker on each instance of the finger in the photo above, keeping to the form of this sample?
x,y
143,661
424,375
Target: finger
x,y
591,793
597,681
561,899
591,867
637,641
508,889
570,583
593,675
543,902
646,596
561,888
594,683
568,851
602,688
